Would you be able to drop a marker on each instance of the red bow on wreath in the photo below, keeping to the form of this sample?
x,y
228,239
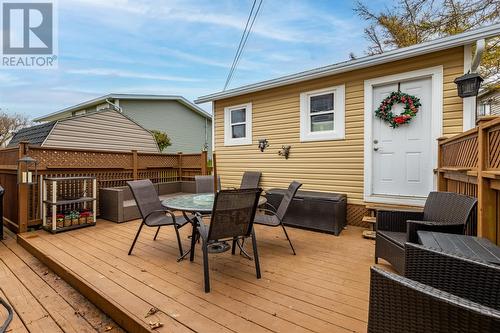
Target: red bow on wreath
x,y
411,103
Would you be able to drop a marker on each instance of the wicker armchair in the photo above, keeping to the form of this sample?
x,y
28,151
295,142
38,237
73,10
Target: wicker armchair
x,y
443,212
470,279
398,304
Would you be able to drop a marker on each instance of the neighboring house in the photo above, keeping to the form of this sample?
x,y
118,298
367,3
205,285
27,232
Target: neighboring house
x,y
327,117
104,130
488,102
188,126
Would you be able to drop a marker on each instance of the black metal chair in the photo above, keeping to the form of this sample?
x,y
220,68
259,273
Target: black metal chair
x,y
205,184
152,212
399,304
274,217
443,212
251,179
232,219
10,315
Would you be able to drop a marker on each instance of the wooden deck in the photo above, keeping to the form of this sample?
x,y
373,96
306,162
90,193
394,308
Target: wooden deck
x,y
322,289
41,300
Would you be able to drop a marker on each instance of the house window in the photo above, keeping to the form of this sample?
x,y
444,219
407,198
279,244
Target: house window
x,y
238,125
322,114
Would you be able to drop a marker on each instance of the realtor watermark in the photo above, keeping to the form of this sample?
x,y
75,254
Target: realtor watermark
x,y
29,34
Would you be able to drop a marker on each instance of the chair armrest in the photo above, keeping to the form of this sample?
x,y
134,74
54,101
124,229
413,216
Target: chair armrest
x,y
398,304
470,279
157,211
267,211
271,208
413,226
391,220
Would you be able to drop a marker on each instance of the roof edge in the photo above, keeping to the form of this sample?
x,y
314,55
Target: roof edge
x,y
178,98
346,66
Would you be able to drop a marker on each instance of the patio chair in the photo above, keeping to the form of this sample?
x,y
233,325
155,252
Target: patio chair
x,y
232,218
399,304
205,184
462,277
251,179
443,212
10,315
274,217
152,212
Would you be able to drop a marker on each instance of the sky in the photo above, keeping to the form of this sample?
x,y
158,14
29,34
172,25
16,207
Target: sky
x,y
180,47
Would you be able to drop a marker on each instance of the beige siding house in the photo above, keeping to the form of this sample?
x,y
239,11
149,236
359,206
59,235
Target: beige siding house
x,y
103,130
341,146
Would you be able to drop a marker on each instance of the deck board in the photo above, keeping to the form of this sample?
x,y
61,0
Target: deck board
x,y
324,288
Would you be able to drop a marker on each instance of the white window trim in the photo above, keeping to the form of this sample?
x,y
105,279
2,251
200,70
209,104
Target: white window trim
x,y
247,140
338,132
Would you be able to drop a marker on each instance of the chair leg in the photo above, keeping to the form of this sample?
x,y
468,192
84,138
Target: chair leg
x,y
206,272
255,255
135,239
233,247
289,241
156,234
178,238
193,243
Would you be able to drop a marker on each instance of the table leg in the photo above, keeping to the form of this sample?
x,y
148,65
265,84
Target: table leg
x,y
194,237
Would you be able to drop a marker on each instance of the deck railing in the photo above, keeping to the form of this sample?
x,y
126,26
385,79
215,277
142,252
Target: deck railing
x,y
469,163
22,206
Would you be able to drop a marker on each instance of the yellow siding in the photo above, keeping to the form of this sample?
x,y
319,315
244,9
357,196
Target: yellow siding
x,y
322,165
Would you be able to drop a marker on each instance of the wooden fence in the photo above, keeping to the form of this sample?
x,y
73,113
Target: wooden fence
x,y
22,207
469,163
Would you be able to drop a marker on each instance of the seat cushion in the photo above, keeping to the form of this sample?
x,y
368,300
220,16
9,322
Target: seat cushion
x,y
269,220
398,238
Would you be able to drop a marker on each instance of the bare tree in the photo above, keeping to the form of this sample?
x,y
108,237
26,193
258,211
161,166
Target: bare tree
x,y
9,124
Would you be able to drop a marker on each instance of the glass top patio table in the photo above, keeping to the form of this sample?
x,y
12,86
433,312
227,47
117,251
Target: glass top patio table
x,y
195,203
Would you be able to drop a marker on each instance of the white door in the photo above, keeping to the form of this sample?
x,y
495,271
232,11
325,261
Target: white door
x,y
402,156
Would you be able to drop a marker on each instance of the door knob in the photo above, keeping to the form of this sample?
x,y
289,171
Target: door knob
x,y
375,148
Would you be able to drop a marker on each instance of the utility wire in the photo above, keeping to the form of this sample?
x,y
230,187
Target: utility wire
x,y
243,41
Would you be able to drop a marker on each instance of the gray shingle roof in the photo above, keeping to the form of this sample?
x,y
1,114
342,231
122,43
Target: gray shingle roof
x,y
34,135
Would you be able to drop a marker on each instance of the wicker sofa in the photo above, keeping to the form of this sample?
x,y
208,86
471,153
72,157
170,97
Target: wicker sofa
x,y
399,304
117,204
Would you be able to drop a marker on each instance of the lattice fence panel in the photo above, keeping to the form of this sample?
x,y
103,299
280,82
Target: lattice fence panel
x,y
355,214
80,159
461,153
494,148
157,161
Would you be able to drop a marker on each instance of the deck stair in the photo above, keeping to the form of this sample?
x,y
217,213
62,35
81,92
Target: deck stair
x,y
371,218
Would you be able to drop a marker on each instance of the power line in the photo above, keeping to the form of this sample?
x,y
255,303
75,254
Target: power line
x,y
243,41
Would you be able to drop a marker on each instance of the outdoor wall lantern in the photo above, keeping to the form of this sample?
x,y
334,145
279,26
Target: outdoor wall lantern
x,y
468,85
263,144
27,171
285,151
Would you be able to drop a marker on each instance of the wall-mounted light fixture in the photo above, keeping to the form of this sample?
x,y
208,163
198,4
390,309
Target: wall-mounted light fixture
x,y
263,144
468,85
285,151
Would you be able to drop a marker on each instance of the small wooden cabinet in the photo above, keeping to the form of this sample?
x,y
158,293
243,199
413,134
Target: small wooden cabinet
x,y
68,203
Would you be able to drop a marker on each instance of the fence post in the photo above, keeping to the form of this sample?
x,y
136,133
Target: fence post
x,y
22,198
135,175
442,183
179,171
486,196
203,162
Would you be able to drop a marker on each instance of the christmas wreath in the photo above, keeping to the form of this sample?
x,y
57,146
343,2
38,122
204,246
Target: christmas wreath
x,y
411,103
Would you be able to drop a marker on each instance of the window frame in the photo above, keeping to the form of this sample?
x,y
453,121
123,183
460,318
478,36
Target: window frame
x,y
228,133
338,132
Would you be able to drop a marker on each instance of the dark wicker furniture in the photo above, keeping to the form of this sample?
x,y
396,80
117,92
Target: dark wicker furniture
x,y
274,217
152,212
232,219
471,279
205,184
443,212
399,304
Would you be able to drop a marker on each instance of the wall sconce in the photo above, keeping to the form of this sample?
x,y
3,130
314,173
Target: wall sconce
x,y
468,85
285,151
263,144
27,170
